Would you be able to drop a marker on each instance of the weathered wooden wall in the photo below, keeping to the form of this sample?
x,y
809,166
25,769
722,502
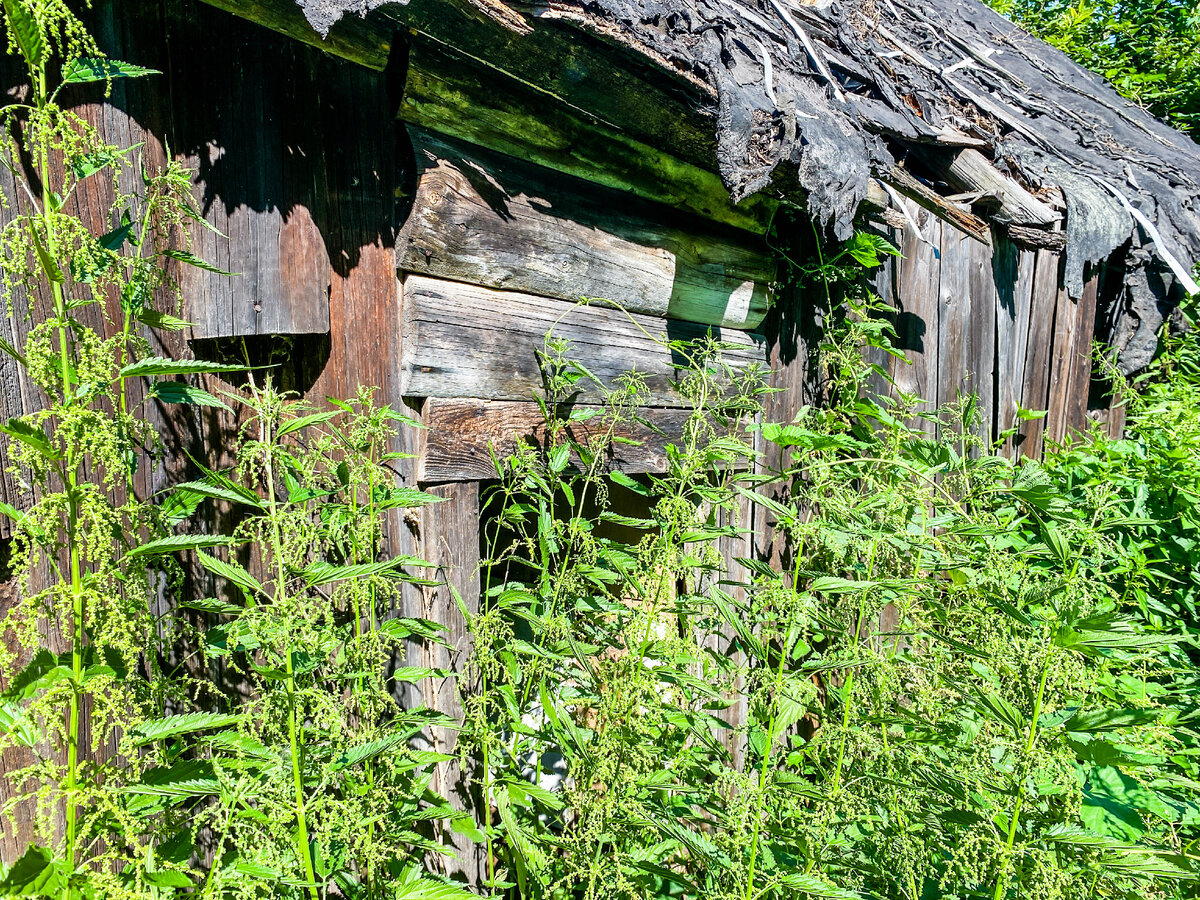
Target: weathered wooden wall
x,y
434,277
994,321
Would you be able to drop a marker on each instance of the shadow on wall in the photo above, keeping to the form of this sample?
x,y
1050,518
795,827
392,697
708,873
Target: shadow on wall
x,y
299,161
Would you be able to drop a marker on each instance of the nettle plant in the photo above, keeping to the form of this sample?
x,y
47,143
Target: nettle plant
x,y
318,791
246,743
590,702
77,542
958,675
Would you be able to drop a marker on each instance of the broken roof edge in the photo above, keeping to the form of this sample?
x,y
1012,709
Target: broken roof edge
x,y
827,95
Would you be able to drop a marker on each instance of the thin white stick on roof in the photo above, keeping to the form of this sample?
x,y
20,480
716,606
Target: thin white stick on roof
x,y
802,35
1181,273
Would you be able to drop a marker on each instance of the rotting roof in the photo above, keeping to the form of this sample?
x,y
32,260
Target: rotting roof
x,y
833,88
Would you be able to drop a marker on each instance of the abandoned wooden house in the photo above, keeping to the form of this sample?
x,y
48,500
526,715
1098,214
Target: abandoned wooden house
x,y
414,192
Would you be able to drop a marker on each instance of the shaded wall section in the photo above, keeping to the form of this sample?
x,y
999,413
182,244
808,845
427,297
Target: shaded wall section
x,y
996,321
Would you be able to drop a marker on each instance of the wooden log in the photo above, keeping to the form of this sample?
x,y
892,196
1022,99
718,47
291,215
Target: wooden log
x,y
463,434
659,103
462,340
970,170
1035,391
490,220
1038,238
449,92
931,200
366,42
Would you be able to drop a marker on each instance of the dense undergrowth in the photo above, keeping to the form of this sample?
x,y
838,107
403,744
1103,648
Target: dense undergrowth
x,y
939,673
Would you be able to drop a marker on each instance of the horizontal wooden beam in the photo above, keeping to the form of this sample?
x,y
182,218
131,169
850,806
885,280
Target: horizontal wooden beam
x,y
927,198
451,93
462,435
366,41
970,170
463,340
487,219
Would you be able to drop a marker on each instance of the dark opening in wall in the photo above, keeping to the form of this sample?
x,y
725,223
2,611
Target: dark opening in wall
x,y
293,362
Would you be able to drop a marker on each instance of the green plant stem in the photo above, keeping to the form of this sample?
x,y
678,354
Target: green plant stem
x,y
70,470
302,841
1014,816
756,830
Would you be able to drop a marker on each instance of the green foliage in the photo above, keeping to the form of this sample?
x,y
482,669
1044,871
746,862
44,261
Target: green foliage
x,y
932,672
1148,49
260,747
953,675
78,456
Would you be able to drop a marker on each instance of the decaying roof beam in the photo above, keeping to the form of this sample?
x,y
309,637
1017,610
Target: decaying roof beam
x,y
969,170
1038,238
969,224
367,42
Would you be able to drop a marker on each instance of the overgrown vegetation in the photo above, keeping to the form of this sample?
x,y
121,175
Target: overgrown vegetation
x,y
858,654
1148,49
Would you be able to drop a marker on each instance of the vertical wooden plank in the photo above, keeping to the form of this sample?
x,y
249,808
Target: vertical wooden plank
x,y
247,104
981,357
917,312
883,282
450,540
1066,346
956,353
1039,349
1013,270
1079,385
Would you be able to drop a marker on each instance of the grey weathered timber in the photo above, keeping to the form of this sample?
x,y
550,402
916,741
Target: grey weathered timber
x,y
1062,364
449,536
1014,280
970,170
449,92
1079,386
462,340
955,350
981,355
1035,391
264,169
484,218
917,312
462,435
928,199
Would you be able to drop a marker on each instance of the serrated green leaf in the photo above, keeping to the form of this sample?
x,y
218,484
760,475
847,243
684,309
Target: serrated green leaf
x,y
86,69
25,29
233,573
160,365
181,392
302,422
190,259
178,542
172,726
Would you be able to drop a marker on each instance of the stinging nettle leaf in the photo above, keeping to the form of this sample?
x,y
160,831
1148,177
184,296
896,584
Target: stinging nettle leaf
x,y
188,723
25,29
84,69
159,365
178,542
191,259
183,393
